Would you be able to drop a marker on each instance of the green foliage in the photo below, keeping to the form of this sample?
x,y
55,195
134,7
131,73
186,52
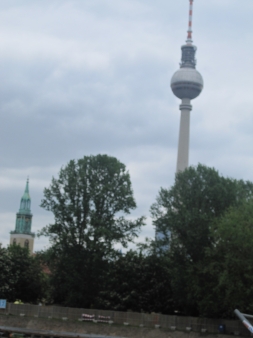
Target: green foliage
x,y
231,262
138,283
76,275
21,275
184,215
85,200
89,200
30,282
202,266
8,277
198,196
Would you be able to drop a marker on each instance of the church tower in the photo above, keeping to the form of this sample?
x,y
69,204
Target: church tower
x,y
22,234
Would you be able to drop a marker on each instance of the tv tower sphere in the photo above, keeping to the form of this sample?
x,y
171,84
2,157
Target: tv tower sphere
x,y
186,84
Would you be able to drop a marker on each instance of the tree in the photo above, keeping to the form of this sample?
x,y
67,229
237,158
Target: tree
x,y
21,275
184,215
146,288
76,275
7,277
231,263
89,200
30,281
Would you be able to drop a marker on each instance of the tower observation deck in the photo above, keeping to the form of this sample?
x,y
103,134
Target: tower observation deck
x,y
186,84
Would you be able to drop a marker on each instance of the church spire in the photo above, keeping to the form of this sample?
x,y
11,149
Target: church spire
x,y
25,203
22,234
24,216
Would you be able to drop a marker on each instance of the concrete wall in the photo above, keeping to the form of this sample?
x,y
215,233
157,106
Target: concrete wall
x,y
134,319
104,330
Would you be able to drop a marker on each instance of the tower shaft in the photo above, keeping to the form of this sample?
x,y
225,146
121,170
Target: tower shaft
x,y
184,135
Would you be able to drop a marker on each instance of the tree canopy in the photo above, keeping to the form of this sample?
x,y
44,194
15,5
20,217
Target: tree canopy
x,y
183,216
7,277
146,288
89,200
199,265
231,262
21,275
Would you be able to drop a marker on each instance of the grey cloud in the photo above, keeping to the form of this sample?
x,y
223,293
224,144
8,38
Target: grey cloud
x,y
88,77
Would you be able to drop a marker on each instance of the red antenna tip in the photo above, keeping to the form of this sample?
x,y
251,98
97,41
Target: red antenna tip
x,y
189,36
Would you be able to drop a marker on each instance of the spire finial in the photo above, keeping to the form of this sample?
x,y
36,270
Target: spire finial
x,y
27,185
189,36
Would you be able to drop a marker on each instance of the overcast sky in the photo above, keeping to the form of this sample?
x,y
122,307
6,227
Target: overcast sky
x,y
88,77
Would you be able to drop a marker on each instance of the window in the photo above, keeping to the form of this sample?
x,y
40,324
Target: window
x,y
14,241
27,244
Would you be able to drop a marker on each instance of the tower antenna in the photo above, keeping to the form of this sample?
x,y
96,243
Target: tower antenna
x,y
189,36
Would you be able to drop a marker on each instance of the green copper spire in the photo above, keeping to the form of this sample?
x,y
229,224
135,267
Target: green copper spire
x,y
24,216
25,203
